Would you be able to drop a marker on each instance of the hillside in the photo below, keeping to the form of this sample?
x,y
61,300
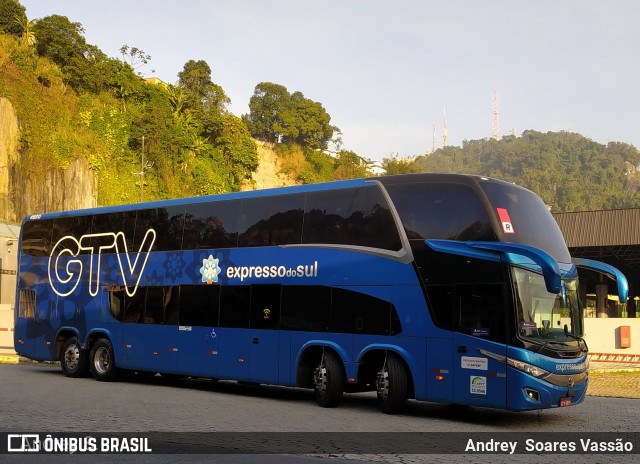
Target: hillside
x,y
269,171
76,136
569,171
81,129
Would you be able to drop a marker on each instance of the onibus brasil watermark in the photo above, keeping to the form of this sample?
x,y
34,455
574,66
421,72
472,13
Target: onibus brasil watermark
x,y
47,443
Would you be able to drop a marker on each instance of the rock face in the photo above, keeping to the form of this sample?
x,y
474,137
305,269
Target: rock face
x,y
76,187
633,182
268,174
62,189
8,157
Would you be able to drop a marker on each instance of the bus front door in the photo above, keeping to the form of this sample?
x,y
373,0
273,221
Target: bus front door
x,y
479,334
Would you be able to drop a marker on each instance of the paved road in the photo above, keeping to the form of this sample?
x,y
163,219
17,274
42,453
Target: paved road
x,y
39,398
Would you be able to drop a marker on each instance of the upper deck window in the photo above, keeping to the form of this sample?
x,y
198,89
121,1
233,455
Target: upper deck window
x,y
211,225
358,217
268,221
443,211
351,216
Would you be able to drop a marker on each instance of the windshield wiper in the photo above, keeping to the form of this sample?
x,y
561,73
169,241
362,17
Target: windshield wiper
x,y
541,347
575,337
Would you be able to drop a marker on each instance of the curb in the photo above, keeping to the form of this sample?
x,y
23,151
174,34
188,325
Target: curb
x,y
9,359
615,369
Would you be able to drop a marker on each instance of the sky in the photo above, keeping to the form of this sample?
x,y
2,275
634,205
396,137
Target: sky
x,y
387,71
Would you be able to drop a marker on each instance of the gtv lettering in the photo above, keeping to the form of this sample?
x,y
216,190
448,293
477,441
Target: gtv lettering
x,y
65,277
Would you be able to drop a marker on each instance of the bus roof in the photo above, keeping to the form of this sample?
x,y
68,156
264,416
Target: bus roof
x,y
385,180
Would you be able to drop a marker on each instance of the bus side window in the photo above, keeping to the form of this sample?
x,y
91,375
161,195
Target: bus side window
x,y
27,304
169,225
211,225
265,306
134,306
74,226
481,311
235,306
306,307
271,221
36,237
154,306
199,305
440,299
116,302
326,214
172,305
371,223
445,211
356,312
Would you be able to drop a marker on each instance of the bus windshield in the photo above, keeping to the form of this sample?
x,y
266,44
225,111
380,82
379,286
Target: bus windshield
x,y
532,223
543,316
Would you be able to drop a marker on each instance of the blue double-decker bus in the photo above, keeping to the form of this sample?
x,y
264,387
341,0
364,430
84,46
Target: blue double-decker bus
x,y
443,288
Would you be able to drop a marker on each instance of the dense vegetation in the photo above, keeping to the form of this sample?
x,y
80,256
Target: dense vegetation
x,y
99,108
570,172
75,102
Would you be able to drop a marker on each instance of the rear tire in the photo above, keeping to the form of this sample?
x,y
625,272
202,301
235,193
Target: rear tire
x,y
102,361
392,385
328,381
74,361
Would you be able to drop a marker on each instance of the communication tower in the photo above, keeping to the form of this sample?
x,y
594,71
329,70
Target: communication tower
x,y
444,127
433,145
496,117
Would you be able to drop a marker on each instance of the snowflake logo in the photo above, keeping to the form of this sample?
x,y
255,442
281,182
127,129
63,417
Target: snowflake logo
x,y
210,269
173,266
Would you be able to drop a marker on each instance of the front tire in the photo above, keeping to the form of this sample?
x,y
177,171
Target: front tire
x,y
74,361
392,385
102,361
328,381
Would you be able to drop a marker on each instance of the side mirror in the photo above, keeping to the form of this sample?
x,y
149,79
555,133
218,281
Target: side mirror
x,y
608,270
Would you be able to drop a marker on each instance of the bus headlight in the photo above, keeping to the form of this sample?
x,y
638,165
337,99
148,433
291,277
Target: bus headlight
x,y
527,368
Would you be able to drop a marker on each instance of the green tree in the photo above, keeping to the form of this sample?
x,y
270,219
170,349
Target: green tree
x,y
277,116
319,168
306,123
238,149
28,37
399,166
12,16
349,166
195,79
62,41
134,57
266,108
122,79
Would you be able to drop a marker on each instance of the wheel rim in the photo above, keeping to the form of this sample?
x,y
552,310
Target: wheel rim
x,y
382,383
102,360
72,356
320,378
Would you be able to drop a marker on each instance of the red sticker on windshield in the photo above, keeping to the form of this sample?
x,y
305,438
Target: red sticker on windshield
x,y
507,227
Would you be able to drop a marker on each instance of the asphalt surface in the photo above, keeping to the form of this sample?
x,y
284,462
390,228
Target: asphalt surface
x,y
37,397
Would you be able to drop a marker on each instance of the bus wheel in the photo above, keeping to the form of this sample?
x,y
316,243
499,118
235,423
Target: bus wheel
x,y
74,361
391,385
328,381
102,361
